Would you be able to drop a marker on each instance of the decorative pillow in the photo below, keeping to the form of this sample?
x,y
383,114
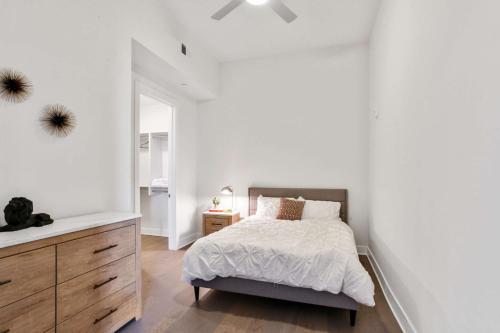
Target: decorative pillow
x,y
290,209
267,207
315,210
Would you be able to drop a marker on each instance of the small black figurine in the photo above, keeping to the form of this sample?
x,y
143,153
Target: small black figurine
x,y
18,215
18,211
41,219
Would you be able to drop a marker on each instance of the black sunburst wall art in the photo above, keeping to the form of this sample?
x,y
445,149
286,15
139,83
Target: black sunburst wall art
x,y
58,120
15,87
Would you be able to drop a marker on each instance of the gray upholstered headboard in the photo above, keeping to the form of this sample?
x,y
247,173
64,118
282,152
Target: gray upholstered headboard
x,y
338,195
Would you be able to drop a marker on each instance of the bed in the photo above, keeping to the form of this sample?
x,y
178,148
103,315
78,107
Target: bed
x,y
330,282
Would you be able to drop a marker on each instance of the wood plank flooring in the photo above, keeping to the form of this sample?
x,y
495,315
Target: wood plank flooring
x,y
169,305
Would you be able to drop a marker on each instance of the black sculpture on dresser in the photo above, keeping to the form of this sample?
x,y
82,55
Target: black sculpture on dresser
x,y
18,215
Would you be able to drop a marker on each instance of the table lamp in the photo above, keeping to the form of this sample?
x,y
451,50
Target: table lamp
x,y
226,190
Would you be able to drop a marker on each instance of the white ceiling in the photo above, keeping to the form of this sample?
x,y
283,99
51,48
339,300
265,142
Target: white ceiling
x,y
255,31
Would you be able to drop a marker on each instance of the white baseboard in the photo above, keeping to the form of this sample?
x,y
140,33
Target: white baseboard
x,y
398,311
362,250
153,231
188,239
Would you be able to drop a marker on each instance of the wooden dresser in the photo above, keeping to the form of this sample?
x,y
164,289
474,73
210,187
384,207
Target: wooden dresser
x,y
213,222
77,275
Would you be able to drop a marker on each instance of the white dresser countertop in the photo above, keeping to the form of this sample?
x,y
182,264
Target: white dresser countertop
x,y
63,226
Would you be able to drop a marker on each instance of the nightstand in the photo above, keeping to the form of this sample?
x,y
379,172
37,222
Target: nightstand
x,y
213,222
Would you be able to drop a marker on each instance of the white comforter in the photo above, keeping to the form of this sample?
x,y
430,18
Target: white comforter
x,y
317,254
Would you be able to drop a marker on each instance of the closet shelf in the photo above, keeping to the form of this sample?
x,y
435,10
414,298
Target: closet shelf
x,y
159,189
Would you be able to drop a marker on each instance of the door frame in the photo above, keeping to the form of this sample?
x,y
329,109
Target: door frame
x,y
143,86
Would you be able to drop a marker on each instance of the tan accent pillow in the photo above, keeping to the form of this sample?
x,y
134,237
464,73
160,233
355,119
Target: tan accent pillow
x,y
290,209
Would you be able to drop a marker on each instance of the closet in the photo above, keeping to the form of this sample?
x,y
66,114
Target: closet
x,y
155,124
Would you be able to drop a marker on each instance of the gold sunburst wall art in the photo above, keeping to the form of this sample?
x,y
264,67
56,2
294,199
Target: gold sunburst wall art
x,y
58,120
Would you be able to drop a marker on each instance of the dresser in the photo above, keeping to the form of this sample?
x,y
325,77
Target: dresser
x,y
213,222
78,274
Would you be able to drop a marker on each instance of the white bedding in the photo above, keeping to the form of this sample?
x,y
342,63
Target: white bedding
x,y
317,254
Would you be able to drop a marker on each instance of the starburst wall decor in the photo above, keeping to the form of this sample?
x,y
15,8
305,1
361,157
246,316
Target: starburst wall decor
x,y
58,120
15,87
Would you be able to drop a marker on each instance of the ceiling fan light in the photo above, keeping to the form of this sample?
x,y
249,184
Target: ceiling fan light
x,y
257,2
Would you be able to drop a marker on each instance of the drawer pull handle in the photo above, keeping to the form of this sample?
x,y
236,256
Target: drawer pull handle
x,y
98,285
107,314
6,331
105,249
1,284
217,224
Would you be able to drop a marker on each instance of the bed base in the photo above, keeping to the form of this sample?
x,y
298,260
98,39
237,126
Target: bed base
x,y
278,291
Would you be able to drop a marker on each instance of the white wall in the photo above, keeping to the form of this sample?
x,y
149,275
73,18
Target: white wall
x,y
290,121
435,159
78,53
144,168
155,116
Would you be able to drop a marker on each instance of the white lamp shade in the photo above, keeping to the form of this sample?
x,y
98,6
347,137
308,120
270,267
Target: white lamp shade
x,y
226,190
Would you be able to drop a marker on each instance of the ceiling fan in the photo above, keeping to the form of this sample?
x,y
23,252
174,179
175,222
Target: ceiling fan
x,y
277,5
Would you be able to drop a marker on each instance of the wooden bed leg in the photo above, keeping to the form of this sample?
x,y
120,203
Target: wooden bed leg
x,y
197,294
352,317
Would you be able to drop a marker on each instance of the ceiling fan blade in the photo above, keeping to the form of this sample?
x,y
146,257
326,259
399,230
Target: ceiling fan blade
x,y
227,9
282,10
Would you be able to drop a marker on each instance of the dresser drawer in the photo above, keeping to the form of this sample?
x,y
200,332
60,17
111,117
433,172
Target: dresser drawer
x,y
85,254
87,289
24,274
106,316
34,314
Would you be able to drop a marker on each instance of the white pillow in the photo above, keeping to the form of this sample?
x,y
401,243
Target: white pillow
x,y
267,207
315,210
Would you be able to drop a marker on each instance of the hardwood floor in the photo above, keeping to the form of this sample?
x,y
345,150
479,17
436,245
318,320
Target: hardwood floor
x,y
169,305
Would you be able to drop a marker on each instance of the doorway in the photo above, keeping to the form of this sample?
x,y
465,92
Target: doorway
x,y
154,160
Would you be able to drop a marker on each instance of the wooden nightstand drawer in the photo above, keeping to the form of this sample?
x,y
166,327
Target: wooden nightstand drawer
x,y
34,314
24,274
106,316
85,254
211,228
215,222
81,292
